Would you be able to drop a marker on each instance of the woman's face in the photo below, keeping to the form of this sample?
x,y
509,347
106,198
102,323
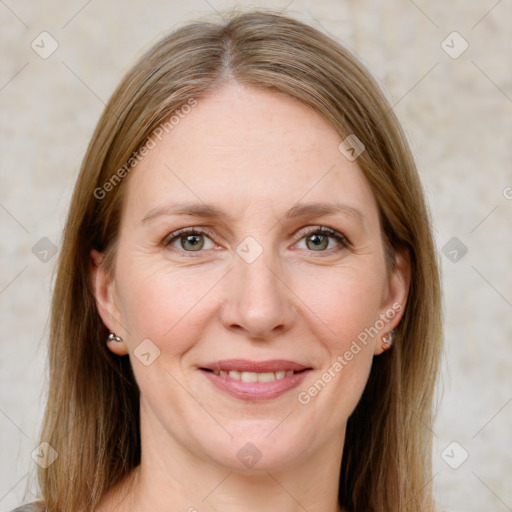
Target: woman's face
x,y
253,279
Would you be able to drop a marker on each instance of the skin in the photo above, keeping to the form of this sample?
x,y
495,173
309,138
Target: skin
x,y
255,154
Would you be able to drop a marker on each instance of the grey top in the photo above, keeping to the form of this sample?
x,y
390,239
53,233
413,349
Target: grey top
x,y
29,507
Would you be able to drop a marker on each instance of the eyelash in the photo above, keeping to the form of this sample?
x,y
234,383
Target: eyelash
x,y
319,230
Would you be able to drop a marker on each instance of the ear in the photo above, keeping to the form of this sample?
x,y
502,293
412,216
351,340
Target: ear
x,y
394,298
104,293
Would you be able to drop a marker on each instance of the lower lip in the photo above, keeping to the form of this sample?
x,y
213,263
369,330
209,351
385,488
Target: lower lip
x,y
256,391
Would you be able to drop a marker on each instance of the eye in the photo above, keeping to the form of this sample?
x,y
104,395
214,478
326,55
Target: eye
x,y
189,239
193,239
317,239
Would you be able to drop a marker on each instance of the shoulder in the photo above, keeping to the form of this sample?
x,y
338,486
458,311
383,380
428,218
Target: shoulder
x,y
29,507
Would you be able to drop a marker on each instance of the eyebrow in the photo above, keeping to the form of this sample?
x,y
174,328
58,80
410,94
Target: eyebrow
x,y
211,211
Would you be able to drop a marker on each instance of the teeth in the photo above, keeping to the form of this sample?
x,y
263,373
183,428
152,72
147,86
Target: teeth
x,y
253,376
266,377
249,377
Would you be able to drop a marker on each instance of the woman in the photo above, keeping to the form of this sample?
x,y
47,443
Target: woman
x,y
247,310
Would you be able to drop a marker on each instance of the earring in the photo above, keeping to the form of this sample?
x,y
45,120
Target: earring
x,y
387,341
113,337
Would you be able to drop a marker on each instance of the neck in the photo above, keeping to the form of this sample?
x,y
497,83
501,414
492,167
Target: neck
x,y
171,477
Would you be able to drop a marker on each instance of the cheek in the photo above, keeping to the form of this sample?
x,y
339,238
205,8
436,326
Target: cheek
x,y
346,307
163,304
345,303
170,308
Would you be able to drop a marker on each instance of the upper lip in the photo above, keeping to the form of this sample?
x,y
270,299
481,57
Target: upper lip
x,y
246,365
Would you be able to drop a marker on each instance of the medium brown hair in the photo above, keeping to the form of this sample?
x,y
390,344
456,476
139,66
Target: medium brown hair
x,y
92,414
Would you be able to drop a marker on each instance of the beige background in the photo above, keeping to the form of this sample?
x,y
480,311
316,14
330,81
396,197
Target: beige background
x,y
456,111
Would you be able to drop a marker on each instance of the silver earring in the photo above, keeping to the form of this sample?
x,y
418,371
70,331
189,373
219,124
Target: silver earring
x,y
113,337
388,340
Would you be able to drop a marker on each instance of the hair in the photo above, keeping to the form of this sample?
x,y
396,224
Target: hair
x,y
92,413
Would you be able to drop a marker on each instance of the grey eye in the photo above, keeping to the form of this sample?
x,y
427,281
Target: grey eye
x,y
192,242
317,242
189,241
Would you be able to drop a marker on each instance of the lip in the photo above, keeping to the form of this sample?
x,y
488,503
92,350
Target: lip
x,y
246,365
255,391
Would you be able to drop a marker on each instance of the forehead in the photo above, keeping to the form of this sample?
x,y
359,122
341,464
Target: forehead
x,y
247,149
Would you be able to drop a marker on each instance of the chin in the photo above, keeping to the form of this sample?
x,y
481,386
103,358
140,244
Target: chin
x,y
247,452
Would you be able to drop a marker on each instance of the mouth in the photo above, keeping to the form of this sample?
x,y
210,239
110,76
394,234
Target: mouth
x,y
255,381
253,376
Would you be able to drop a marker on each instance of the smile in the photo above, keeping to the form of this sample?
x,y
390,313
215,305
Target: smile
x,y
267,380
253,376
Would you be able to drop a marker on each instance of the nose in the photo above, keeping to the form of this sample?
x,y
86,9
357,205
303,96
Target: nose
x,y
258,303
